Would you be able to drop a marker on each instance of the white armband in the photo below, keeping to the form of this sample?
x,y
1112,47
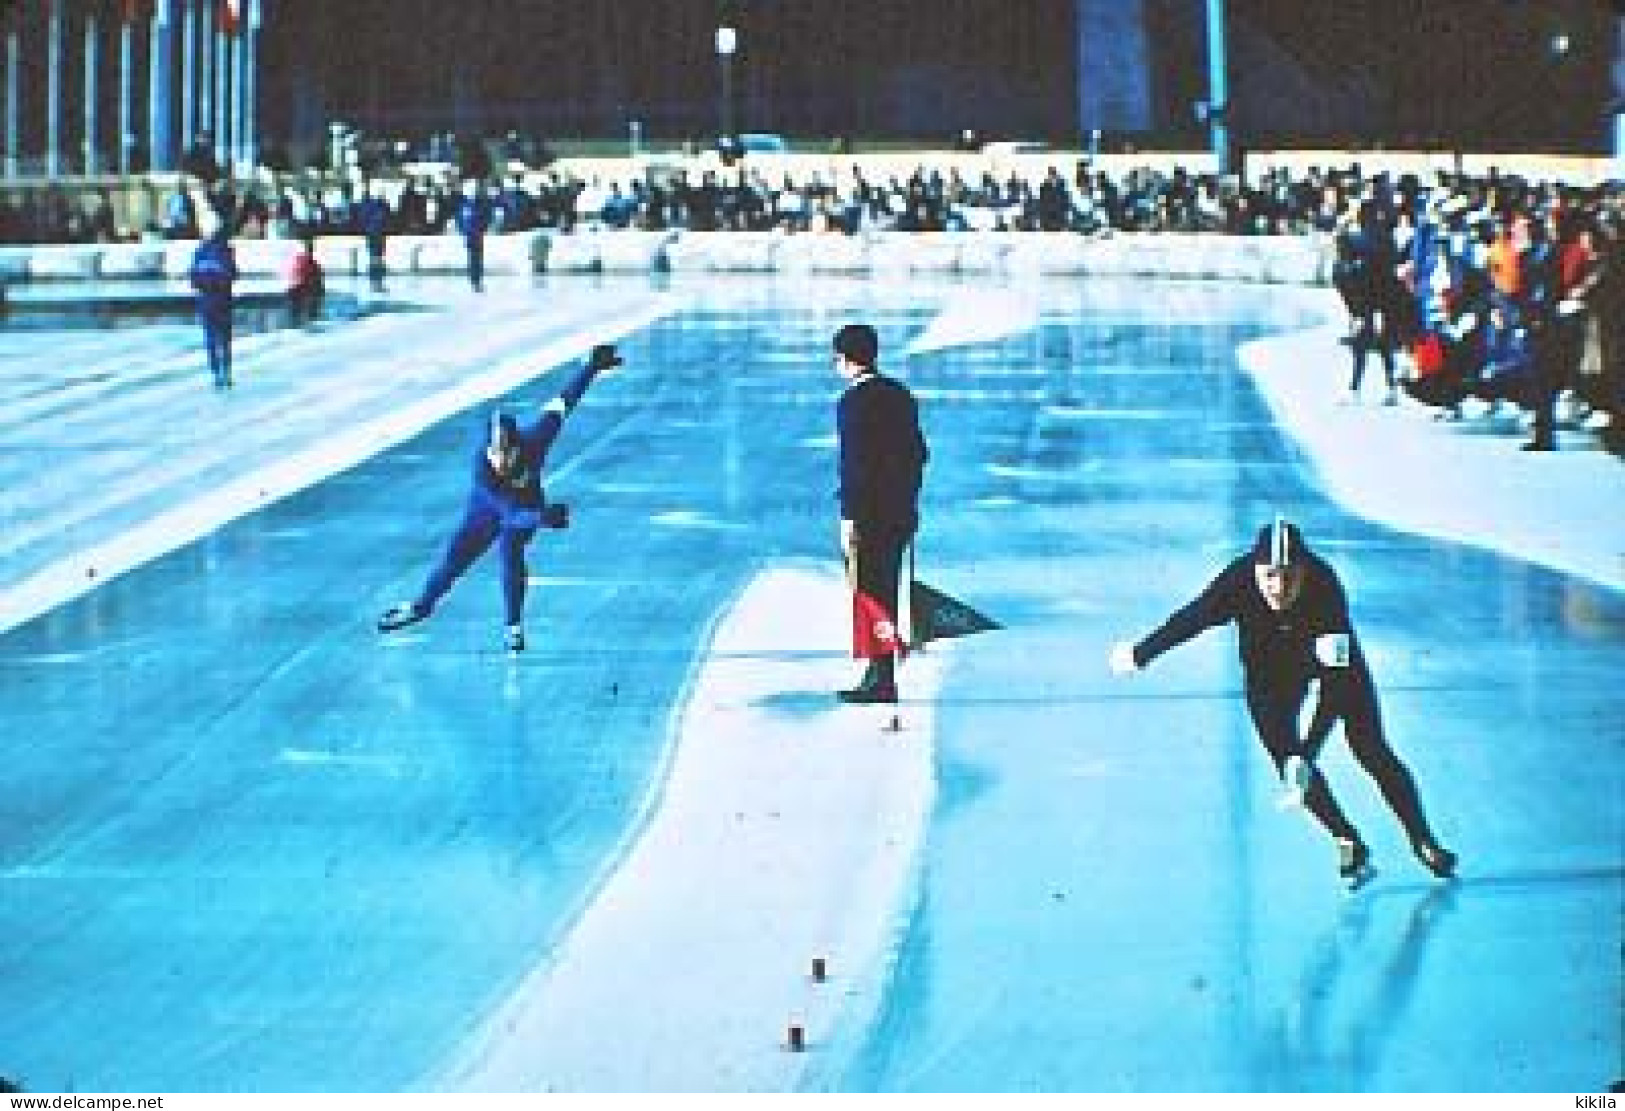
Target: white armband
x,y
557,405
1332,649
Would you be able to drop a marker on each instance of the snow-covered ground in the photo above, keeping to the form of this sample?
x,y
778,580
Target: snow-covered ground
x,y
1465,481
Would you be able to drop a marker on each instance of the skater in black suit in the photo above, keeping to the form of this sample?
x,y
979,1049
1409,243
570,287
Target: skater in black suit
x,y
882,463
1292,620
506,504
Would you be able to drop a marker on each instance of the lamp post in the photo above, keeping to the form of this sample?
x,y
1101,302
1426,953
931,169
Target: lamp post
x,y
727,42
1218,96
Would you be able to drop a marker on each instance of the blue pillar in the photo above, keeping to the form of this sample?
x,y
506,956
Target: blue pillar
x,y
220,68
14,62
160,137
1218,91
188,72
251,85
92,163
205,68
53,91
126,93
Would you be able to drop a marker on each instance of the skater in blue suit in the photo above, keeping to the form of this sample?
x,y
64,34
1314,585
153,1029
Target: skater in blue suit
x,y
506,505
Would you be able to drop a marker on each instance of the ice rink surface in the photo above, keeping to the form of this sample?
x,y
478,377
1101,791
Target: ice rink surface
x,y
250,845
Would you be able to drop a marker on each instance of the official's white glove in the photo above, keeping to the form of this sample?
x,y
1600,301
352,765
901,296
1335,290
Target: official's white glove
x,y
1332,649
1121,659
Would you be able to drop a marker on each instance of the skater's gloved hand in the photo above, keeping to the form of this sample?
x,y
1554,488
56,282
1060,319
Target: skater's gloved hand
x,y
603,357
1121,659
555,515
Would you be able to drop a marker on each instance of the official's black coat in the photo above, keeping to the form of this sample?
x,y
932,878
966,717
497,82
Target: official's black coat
x,y
883,456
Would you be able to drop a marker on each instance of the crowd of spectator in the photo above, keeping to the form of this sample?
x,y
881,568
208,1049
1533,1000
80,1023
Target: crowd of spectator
x,y
753,197
1088,201
1488,289
1499,294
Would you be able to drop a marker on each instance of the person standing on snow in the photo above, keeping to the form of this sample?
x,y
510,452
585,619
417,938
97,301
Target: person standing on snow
x,y
882,461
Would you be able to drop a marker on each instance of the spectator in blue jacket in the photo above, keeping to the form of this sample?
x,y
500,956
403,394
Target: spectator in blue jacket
x,y
212,273
373,216
473,221
1509,360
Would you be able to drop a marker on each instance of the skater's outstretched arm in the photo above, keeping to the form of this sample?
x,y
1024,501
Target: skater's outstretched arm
x,y
602,358
1216,605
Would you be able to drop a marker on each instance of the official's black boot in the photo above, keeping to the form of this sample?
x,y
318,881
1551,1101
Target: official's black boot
x,y
879,684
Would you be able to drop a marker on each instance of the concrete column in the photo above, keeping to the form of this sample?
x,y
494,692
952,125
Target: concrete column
x,y
205,66
251,81
221,67
14,62
160,85
53,90
1218,95
234,100
239,97
126,93
188,72
92,161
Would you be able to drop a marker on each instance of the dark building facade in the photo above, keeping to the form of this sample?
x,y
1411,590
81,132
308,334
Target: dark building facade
x,y
1510,73
129,83
561,68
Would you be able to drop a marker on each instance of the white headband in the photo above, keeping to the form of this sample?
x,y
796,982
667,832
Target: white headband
x,y
1280,543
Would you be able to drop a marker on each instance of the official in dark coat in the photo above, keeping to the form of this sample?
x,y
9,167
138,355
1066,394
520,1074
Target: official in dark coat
x,y
882,463
1292,620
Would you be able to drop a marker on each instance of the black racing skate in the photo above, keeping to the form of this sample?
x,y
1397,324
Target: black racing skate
x,y
515,639
1354,864
399,617
1436,858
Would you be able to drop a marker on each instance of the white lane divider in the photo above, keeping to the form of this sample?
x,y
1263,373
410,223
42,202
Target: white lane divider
x,y
763,900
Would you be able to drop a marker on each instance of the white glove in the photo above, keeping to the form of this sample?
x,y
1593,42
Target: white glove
x,y
1121,660
1295,777
1332,649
